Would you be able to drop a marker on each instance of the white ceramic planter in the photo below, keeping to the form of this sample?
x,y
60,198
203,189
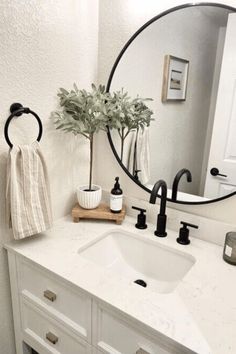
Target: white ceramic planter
x,y
89,199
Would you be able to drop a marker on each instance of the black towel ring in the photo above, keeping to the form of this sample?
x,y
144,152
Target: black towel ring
x,y
17,110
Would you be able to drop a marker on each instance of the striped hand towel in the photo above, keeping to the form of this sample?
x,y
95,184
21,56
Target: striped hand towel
x,y
28,195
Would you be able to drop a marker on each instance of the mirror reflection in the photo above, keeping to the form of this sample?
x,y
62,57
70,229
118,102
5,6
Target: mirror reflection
x,y
184,62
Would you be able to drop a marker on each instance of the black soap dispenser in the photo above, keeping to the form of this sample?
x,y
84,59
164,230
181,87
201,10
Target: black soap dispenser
x,y
116,197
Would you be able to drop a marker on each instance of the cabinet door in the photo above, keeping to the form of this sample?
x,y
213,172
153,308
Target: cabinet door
x,y
60,300
112,333
28,349
48,336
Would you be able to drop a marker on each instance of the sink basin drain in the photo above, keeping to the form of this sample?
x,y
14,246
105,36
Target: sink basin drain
x,y
141,282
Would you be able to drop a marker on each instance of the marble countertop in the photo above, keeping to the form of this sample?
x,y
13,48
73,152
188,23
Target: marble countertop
x,y
200,313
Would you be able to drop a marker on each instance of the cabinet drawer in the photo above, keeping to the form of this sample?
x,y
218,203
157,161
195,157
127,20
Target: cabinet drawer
x,y
56,297
114,334
49,335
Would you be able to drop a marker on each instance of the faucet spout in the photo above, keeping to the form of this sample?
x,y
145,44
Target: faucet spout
x,y
183,171
161,218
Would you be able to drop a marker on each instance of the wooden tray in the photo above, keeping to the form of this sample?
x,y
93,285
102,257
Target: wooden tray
x,y
102,212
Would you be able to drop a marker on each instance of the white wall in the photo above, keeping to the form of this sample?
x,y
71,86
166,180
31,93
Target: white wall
x,y
177,134
44,45
119,19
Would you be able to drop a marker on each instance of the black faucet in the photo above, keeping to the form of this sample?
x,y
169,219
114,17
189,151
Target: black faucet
x,y
176,182
161,217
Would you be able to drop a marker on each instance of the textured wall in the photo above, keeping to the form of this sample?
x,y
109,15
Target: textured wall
x,y
44,45
119,19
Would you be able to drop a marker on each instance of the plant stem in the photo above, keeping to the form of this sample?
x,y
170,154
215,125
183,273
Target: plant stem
x,y
127,134
122,144
91,162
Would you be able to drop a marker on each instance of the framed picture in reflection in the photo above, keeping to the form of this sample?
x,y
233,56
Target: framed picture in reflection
x,y
175,78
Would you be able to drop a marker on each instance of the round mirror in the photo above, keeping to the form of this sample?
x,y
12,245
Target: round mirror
x,y
184,60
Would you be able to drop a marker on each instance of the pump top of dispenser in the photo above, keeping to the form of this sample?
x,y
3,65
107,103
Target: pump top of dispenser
x,y
116,189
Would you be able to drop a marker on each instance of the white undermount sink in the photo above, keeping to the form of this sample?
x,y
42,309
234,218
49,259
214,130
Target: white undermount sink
x,y
132,257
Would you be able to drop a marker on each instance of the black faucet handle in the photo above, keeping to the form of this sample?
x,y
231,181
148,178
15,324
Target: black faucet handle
x,y
186,224
139,209
183,238
141,218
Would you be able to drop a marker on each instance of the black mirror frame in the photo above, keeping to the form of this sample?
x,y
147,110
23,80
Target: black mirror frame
x,y
155,18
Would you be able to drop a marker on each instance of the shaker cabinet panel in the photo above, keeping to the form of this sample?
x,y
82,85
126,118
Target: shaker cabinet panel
x,y
113,334
62,301
49,335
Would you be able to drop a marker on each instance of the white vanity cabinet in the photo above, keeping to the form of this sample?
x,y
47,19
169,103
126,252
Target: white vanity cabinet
x,y
49,314
113,333
55,317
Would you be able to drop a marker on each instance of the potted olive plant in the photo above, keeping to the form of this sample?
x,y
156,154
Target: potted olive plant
x,y
128,114
84,113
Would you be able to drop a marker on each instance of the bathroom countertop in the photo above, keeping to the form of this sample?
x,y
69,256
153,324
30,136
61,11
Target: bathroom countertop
x,y
200,313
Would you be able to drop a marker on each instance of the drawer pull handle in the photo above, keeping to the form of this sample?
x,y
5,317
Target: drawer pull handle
x,y
141,351
50,295
52,338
